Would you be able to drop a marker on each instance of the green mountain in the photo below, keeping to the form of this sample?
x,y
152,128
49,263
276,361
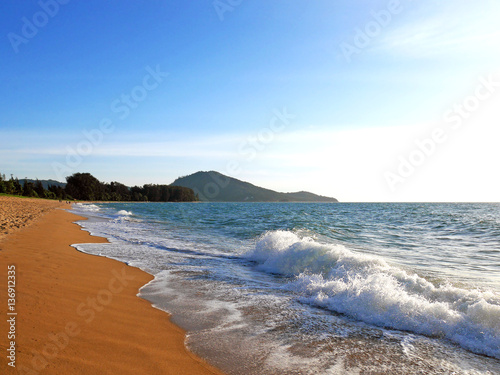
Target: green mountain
x,y
215,187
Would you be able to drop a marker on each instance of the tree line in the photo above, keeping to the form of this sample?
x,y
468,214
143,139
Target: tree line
x,y
84,186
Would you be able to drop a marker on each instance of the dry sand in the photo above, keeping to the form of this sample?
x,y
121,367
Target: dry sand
x,y
78,313
16,213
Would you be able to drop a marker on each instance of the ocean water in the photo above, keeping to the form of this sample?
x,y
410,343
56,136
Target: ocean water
x,y
297,288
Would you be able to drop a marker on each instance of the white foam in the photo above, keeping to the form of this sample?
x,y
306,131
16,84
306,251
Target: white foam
x,y
124,213
369,289
86,207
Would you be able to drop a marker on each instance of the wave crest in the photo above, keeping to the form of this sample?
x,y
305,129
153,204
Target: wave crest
x,y
367,288
124,213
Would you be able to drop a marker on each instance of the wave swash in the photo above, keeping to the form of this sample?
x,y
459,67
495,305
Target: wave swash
x,y
369,289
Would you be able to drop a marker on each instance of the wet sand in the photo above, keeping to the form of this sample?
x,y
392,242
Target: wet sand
x,y
78,313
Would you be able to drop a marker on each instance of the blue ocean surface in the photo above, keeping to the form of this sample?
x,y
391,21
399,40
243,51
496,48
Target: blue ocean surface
x,y
299,288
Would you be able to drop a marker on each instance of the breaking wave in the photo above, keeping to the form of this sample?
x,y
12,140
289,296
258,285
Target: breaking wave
x,y
369,289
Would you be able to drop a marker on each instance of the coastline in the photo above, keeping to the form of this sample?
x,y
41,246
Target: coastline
x,y
81,314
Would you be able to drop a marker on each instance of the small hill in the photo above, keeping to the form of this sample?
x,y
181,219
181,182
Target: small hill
x,y
215,187
45,183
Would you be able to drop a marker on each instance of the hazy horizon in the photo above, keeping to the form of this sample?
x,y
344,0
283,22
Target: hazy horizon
x,y
397,101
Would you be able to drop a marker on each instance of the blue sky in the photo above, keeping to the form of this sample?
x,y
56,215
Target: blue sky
x,y
363,101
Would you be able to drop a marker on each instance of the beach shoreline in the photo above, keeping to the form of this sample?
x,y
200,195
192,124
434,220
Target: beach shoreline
x,y
75,313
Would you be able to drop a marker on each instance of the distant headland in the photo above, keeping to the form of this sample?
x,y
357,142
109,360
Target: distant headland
x,y
213,186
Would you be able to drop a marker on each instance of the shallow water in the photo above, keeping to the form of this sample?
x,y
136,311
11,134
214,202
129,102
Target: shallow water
x,y
272,288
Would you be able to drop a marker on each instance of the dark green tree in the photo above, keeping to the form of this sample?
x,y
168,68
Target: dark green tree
x,y
136,194
39,189
2,183
9,187
118,191
18,189
29,189
58,191
84,186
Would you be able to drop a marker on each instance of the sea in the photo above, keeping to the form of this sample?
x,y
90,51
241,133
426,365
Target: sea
x,y
318,288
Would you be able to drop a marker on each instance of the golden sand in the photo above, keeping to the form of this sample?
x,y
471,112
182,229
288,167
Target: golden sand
x,y
78,313
16,213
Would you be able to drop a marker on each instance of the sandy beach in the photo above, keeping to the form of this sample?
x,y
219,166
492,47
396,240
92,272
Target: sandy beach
x,y
74,313
16,213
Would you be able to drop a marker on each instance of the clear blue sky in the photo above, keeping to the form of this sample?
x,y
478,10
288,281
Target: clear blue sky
x,y
360,100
